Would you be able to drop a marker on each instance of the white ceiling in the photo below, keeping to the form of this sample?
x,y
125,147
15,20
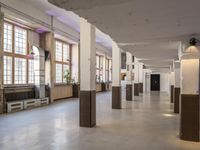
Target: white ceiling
x,y
150,29
69,18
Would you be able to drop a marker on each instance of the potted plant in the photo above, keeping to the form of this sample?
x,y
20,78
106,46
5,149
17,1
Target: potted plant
x,y
67,76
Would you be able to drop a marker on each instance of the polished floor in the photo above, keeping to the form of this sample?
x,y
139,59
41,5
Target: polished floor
x,y
147,123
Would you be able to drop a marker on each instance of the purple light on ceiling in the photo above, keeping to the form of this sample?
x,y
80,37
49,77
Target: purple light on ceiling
x,y
52,13
40,30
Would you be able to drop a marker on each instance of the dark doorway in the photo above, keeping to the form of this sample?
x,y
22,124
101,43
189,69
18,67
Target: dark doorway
x,y
155,82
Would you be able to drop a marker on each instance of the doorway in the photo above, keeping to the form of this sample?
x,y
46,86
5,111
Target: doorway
x,y
155,82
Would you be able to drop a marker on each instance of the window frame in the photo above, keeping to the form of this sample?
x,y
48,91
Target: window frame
x,y
68,63
14,55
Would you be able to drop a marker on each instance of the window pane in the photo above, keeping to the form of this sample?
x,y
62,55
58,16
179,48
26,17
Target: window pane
x,y
97,61
58,51
66,55
59,73
31,71
97,76
7,37
20,71
7,70
101,62
107,74
110,70
107,63
20,41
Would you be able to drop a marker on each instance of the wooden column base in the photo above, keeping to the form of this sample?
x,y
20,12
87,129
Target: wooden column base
x,y
140,87
136,89
116,97
129,95
176,99
189,117
87,109
172,94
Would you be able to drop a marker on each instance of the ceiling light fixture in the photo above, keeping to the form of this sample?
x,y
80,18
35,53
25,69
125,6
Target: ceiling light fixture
x,y
193,42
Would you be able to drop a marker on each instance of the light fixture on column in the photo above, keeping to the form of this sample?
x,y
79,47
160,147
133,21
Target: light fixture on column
x,y
194,42
192,51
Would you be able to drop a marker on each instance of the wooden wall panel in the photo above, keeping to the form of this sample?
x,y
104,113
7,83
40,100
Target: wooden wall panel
x,y
62,91
98,87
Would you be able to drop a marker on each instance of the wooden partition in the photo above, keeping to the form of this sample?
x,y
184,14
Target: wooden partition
x,y
62,91
98,87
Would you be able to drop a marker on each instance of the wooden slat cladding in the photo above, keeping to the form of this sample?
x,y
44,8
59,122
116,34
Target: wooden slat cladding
x,y
129,93
189,117
172,93
116,97
176,99
136,89
87,108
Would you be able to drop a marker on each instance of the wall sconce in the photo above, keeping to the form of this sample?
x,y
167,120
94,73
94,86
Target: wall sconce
x,y
193,42
193,50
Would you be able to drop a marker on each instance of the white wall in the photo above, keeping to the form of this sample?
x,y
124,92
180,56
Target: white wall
x,y
164,82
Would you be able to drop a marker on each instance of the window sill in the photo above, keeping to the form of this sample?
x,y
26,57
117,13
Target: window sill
x,y
62,84
18,85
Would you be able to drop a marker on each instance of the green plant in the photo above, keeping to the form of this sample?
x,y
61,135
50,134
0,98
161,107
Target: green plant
x,y
67,76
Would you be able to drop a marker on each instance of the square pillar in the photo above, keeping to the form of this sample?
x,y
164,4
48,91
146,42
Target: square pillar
x,y
190,105
129,86
140,86
47,42
136,78
177,87
87,75
116,79
172,86
1,63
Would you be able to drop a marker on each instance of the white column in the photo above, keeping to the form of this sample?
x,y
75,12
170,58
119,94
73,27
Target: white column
x,y
129,86
172,82
140,72
176,86
116,65
136,77
146,80
190,76
172,78
87,75
136,72
177,74
116,79
189,102
128,68
87,56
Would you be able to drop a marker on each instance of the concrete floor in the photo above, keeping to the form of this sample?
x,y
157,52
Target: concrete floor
x,y
147,123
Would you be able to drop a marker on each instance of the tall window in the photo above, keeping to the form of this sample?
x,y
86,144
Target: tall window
x,y
99,68
62,53
7,70
107,70
16,69
110,70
